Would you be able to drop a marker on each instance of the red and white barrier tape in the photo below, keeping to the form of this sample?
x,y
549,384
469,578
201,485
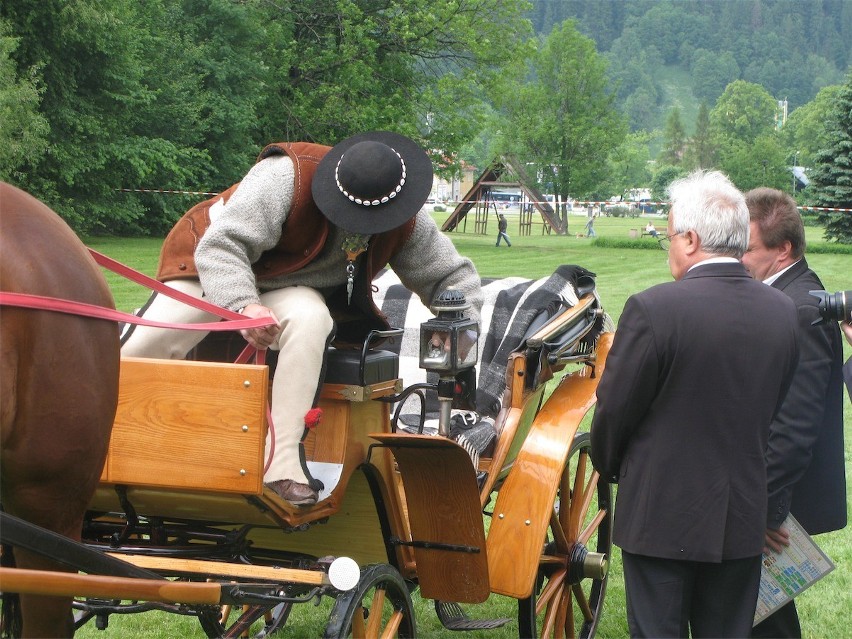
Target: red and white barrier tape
x,y
168,191
574,203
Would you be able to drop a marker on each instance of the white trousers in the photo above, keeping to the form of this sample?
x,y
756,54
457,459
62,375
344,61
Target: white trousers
x,y
306,325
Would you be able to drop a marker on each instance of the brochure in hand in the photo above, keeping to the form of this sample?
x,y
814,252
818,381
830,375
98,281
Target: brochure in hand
x,y
786,574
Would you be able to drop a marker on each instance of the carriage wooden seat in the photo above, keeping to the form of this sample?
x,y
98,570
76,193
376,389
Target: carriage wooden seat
x,y
189,437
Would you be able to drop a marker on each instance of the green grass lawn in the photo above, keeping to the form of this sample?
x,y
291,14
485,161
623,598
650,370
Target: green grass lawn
x,y
824,609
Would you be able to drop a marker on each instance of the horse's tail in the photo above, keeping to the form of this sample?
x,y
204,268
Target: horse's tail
x,y
11,622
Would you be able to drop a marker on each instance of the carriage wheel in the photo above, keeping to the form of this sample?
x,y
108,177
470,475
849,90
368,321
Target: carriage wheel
x,y
214,621
379,606
568,595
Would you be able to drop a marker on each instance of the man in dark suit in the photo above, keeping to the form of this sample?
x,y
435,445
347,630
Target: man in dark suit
x,y
804,458
697,371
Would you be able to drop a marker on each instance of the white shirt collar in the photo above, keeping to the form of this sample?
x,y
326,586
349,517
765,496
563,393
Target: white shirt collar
x,y
713,260
771,279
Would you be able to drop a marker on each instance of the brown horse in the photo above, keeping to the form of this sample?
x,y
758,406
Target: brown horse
x,y
58,389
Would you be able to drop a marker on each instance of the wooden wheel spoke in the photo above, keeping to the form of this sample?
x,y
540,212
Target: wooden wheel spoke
x,y
582,602
589,530
589,494
393,625
551,590
549,623
374,621
358,629
576,512
564,617
559,537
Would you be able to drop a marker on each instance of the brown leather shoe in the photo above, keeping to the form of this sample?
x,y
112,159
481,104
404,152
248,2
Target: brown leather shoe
x,y
294,492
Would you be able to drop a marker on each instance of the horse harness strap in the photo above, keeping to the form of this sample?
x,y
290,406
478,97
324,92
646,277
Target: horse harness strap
x,y
234,321
17,532
45,303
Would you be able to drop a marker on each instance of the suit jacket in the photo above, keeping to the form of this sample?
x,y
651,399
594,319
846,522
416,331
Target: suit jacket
x,y
847,375
697,370
805,465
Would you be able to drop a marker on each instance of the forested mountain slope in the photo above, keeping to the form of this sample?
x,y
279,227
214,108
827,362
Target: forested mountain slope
x,y
792,48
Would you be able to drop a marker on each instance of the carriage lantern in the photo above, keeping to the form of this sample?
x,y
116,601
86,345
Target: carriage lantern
x,y
448,341
448,346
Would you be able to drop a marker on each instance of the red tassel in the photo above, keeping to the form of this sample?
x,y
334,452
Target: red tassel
x,y
313,418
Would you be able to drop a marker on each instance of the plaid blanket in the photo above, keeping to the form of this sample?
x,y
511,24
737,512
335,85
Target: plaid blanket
x,y
511,306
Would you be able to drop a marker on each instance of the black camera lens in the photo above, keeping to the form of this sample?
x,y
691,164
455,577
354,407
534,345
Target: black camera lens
x,y
834,306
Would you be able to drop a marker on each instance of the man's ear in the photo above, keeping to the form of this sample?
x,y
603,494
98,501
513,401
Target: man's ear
x,y
785,251
693,243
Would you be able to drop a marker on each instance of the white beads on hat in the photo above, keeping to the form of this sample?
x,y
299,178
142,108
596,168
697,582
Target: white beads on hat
x,y
377,201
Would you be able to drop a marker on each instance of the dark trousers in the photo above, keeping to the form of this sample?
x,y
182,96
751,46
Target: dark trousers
x,y
781,624
671,598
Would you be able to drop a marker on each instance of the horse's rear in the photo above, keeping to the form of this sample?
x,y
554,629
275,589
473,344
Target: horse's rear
x,y
58,387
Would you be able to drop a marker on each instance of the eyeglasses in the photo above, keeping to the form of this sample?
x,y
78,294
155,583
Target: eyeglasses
x,y
666,241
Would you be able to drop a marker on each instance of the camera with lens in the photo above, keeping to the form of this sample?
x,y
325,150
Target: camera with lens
x,y
834,306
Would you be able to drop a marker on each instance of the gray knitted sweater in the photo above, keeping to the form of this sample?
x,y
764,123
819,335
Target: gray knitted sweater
x,y
251,222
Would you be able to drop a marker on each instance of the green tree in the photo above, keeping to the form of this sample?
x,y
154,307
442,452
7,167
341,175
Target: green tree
x,y
103,89
712,72
640,108
23,133
629,164
831,177
807,128
181,95
743,112
761,162
420,68
748,147
674,139
701,151
663,176
564,121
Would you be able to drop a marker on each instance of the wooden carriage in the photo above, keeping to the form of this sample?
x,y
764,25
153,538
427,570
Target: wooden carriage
x,y
182,497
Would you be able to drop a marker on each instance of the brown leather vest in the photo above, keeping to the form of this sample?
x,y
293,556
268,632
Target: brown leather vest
x,y
295,249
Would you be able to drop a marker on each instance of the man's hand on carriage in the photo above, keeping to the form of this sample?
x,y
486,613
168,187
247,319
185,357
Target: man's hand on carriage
x,y
260,338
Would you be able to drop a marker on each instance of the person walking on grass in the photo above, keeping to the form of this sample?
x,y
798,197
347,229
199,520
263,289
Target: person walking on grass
x,y
502,225
590,224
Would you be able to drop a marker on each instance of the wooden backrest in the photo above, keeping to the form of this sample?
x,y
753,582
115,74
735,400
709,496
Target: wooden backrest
x,y
189,425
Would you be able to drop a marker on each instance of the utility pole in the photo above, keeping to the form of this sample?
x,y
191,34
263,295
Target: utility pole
x,y
795,164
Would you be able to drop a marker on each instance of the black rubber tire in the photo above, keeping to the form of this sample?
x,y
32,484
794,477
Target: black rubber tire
x,y
357,608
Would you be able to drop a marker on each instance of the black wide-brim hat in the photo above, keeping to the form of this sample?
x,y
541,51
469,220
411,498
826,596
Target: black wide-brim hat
x,y
372,182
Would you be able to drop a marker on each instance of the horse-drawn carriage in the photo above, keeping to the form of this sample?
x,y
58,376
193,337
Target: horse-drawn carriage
x,y
181,521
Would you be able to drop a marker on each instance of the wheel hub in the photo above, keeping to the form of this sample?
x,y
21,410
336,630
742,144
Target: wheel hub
x,y
584,564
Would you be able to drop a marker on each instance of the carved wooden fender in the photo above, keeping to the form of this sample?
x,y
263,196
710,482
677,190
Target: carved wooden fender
x,y
525,501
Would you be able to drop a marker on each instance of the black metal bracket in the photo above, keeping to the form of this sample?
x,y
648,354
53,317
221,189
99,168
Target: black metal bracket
x,y
435,545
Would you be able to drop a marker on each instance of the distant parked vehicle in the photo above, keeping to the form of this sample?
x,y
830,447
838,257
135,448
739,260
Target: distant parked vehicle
x,y
646,206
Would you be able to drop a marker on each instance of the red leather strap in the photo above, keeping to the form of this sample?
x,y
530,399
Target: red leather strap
x,y
44,303
155,285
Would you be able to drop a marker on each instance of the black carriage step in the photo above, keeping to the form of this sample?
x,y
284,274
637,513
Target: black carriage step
x,y
452,617
17,532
